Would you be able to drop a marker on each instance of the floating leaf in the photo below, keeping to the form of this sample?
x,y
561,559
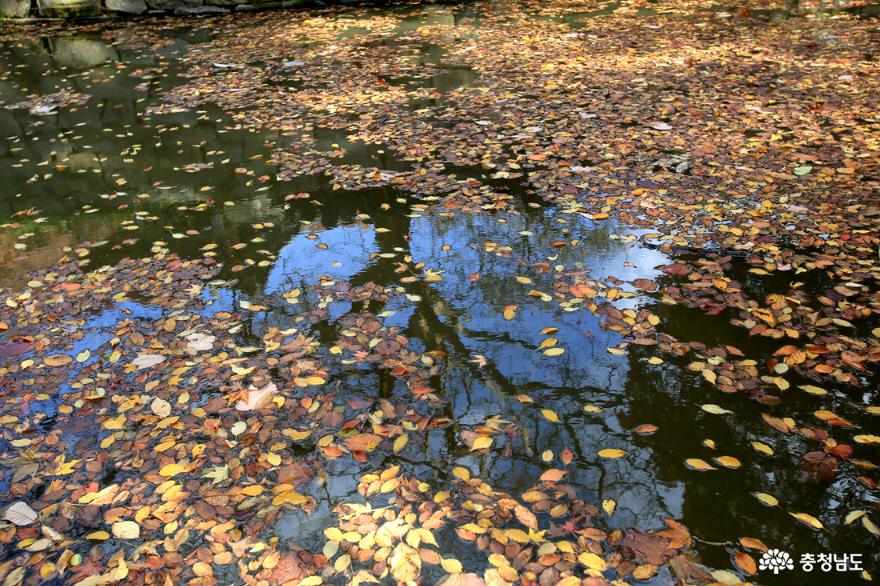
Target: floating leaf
x,y
766,499
753,543
126,530
171,470
20,513
550,415
808,520
160,407
592,561
145,360
715,409
727,462
553,475
762,448
813,390
745,562
481,443
698,464
451,565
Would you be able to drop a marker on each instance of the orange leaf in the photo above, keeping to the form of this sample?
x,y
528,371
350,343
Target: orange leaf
x,y
745,562
553,475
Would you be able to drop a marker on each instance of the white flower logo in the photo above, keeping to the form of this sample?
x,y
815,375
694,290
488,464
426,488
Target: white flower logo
x,y
776,560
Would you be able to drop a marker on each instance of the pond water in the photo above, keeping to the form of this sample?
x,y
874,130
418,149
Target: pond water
x,y
108,171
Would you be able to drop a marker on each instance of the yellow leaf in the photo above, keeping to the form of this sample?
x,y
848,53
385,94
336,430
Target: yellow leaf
x,y
481,443
171,470
762,448
728,462
550,415
554,351
115,423
698,464
252,490
592,561
612,453
333,534
517,535
63,468
389,485
609,505
808,520
98,536
400,443
121,571
290,497
715,409
451,565
766,499
461,473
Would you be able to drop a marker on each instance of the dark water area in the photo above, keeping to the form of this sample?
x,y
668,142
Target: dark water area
x,y
110,172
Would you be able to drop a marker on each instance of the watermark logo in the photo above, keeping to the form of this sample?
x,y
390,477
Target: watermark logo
x,y
775,560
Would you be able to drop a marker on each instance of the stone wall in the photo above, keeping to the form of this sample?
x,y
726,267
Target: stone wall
x,y
88,8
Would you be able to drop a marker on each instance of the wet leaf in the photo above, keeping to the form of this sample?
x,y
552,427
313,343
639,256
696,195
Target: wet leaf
x,y
20,513
745,562
766,499
553,475
727,462
715,409
126,530
481,443
550,415
698,464
808,520
592,561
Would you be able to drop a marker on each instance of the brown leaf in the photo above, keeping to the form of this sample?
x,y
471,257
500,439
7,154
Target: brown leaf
x,y
363,442
526,517
646,285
